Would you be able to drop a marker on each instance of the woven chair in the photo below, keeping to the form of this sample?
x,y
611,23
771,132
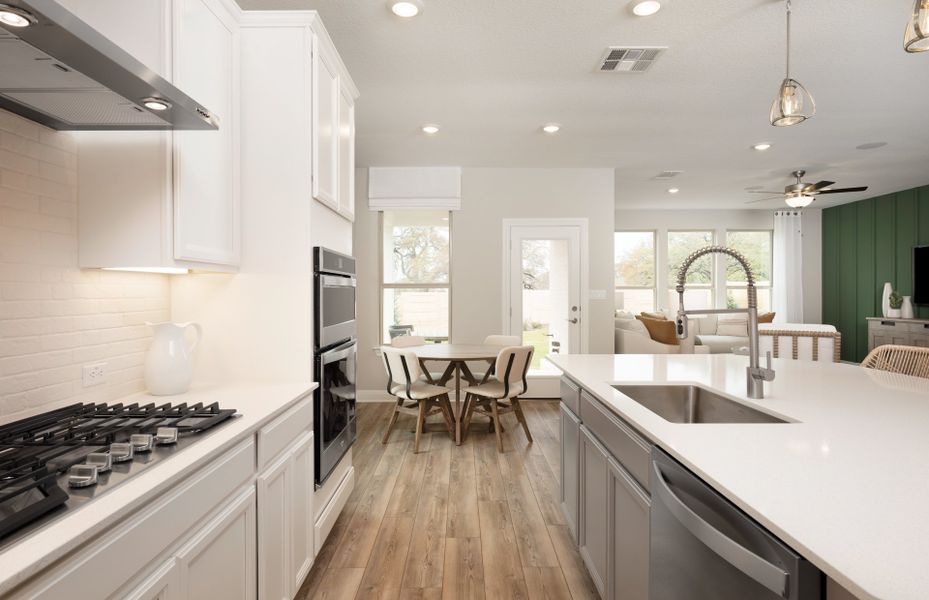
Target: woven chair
x,y
906,360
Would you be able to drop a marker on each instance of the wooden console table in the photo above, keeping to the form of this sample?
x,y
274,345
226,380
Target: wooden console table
x,y
903,332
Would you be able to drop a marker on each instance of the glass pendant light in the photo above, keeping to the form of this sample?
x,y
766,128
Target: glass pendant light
x,y
916,38
793,104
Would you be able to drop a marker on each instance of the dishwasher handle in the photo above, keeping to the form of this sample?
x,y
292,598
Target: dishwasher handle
x,y
769,575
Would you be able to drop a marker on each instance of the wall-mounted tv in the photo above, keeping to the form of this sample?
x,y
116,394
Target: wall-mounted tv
x,y
921,275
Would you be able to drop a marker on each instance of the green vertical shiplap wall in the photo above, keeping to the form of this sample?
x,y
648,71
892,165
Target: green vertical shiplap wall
x,y
865,244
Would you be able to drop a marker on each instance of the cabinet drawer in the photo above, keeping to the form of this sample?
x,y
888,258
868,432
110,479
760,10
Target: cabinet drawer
x,y
887,326
571,395
922,328
629,448
274,437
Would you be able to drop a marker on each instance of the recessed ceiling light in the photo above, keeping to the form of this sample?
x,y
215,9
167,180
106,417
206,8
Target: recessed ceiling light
x,y
646,8
871,145
430,129
762,146
156,104
405,8
673,190
15,17
551,128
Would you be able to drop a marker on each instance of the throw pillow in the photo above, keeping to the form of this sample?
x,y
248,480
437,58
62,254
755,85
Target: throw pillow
x,y
660,330
767,317
736,327
654,315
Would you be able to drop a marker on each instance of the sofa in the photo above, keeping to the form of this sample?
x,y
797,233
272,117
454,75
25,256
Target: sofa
x,y
719,333
631,337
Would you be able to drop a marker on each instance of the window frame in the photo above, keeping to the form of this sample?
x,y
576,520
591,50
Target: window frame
x,y
672,281
728,285
383,286
654,286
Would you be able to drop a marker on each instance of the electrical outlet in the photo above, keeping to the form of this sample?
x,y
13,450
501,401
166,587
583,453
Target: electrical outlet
x,y
94,374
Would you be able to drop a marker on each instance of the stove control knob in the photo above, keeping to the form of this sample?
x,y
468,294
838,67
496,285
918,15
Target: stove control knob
x,y
101,460
141,442
120,452
80,476
166,436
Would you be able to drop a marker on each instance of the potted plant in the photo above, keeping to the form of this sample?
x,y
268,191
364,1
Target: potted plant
x,y
896,302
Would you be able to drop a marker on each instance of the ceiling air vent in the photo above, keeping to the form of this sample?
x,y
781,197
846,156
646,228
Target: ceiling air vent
x,y
622,59
667,175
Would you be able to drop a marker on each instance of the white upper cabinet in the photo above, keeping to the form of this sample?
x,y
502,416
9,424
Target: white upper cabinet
x,y
166,199
333,128
206,191
326,125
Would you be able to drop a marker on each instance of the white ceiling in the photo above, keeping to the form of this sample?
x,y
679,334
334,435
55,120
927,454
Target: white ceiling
x,y
492,72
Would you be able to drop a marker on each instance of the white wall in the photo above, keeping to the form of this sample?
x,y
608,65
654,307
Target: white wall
x,y
54,317
721,220
488,197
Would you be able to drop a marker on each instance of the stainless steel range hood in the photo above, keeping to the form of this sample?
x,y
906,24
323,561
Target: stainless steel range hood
x,y
60,72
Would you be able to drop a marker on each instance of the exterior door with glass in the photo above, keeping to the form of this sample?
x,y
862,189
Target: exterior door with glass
x,y
545,289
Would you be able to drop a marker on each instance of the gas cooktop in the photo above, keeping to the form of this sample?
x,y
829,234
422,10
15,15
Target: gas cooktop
x,y
55,461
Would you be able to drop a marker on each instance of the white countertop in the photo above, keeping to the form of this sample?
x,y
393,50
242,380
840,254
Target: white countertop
x,y
256,403
846,485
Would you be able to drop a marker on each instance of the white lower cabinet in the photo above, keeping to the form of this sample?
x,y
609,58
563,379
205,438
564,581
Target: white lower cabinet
x,y
220,560
163,584
285,531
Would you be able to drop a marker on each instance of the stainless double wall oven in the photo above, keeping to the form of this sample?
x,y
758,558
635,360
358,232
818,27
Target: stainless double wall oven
x,y
334,402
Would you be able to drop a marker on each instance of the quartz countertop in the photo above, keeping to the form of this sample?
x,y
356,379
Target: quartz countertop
x,y
257,404
845,483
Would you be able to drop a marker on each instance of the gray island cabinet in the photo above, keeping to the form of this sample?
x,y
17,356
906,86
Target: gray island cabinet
x,y
604,494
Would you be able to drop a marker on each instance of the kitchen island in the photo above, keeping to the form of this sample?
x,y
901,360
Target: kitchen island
x,y
843,481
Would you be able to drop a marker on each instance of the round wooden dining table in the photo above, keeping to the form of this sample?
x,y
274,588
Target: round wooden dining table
x,y
456,356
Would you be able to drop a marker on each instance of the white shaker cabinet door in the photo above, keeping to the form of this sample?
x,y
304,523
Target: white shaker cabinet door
x,y
206,198
303,542
161,585
325,127
274,530
346,154
221,559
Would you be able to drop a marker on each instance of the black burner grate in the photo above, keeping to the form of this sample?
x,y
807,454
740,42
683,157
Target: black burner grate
x,y
35,451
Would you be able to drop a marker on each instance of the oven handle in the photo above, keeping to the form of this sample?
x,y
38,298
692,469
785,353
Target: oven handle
x,y
763,572
334,281
337,354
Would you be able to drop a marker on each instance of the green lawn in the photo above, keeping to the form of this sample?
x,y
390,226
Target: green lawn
x,y
538,338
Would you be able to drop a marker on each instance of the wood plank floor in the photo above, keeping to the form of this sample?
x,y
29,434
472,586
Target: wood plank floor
x,y
452,522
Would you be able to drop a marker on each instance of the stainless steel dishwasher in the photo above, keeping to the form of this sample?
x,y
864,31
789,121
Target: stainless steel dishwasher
x,y
704,548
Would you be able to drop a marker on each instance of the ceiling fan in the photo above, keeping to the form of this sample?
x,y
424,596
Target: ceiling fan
x,y
800,195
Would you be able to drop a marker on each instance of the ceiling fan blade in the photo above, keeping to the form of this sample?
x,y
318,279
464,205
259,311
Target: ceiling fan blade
x,y
763,192
815,187
844,190
778,197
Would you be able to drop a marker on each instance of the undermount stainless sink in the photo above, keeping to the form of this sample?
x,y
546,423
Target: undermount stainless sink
x,y
693,404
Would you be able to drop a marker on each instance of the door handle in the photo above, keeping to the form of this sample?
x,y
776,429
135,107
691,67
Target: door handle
x,y
763,572
574,320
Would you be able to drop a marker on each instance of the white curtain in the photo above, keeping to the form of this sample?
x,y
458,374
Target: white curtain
x,y
787,299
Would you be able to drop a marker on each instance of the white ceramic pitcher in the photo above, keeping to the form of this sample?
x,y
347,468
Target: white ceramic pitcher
x,y
169,363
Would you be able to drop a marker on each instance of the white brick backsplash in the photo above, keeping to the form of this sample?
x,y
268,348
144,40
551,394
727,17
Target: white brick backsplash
x,y
54,317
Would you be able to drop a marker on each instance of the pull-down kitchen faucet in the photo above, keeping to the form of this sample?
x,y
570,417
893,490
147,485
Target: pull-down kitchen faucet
x,y
756,374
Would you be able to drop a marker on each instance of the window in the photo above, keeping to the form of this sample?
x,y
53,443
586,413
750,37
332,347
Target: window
x,y
634,260
699,289
415,274
756,247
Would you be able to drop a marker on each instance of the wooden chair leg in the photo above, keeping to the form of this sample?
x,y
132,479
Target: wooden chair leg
x,y
521,417
393,421
447,413
496,422
470,402
419,425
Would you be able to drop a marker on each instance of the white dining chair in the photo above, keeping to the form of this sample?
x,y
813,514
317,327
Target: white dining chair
x,y
500,395
414,396
502,341
407,341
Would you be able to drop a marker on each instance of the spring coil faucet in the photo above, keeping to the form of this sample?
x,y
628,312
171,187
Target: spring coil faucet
x,y
756,375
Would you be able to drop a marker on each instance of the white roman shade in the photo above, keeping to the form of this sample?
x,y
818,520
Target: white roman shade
x,y
414,188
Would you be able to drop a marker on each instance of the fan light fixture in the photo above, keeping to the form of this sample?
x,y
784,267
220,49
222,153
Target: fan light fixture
x,y
793,104
15,17
405,8
799,200
916,37
646,8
